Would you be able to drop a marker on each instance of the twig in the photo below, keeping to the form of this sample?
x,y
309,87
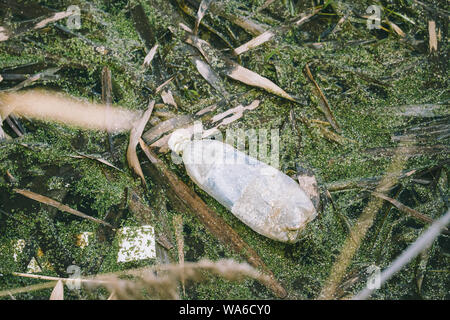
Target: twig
x,y
59,206
400,206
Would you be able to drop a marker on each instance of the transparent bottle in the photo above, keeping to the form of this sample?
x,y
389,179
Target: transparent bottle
x,y
262,197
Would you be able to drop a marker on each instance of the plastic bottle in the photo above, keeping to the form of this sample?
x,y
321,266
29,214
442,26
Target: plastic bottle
x,y
265,199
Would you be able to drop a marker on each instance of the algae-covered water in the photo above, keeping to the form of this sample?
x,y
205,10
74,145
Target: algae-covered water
x,y
387,91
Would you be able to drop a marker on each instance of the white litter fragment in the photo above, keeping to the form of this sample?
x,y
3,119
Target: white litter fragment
x,y
136,243
83,239
19,245
151,54
33,266
168,98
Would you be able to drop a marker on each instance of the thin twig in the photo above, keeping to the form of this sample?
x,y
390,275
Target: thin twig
x,y
59,206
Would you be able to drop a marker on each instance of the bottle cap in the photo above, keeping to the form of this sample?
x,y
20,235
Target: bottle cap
x,y
178,139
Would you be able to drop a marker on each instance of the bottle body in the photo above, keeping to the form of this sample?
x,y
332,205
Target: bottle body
x,y
265,199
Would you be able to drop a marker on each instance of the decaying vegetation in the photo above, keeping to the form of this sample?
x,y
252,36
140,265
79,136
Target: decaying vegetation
x,y
91,90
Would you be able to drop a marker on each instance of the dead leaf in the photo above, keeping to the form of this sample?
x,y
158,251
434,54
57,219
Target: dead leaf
x,y
203,7
166,126
5,34
233,69
55,17
184,27
396,28
86,156
135,135
269,34
58,291
190,12
165,83
249,25
168,98
229,116
238,72
151,54
255,42
210,76
43,75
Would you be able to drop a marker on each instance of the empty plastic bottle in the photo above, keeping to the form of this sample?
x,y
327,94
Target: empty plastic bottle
x,y
265,199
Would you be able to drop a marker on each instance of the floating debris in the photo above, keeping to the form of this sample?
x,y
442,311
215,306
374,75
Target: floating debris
x,y
135,135
136,243
265,199
270,34
150,55
234,70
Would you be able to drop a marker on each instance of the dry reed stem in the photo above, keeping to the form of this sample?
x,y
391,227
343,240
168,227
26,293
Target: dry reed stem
x,y
164,286
46,106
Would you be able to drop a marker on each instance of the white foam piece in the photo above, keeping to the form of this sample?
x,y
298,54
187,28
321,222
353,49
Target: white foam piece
x,y
136,243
